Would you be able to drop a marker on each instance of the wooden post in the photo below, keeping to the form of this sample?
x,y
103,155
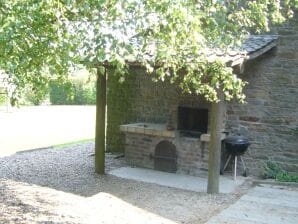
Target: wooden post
x,y
217,113
100,122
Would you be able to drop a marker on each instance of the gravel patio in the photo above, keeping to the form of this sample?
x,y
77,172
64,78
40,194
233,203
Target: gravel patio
x,y
60,186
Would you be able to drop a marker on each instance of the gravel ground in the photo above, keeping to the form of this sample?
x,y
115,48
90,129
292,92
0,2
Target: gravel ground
x,y
60,186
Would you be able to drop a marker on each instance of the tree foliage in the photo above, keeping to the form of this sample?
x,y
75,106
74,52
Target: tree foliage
x,y
34,43
42,39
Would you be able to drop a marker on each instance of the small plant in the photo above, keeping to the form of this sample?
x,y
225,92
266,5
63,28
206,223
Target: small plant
x,y
271,170
285,177
274,171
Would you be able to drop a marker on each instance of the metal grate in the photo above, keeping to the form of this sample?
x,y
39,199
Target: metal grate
x,y
165,157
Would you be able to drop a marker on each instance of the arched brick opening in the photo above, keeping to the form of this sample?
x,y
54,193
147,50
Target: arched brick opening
x,y
165,157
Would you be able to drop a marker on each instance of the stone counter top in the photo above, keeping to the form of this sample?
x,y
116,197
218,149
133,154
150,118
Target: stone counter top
x,y
148,129
158,130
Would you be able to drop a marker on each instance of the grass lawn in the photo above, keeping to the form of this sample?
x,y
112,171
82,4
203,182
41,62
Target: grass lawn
x,y
34,127
73,143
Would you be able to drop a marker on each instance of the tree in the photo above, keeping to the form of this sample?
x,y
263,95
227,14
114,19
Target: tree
x,y
42,39
34,43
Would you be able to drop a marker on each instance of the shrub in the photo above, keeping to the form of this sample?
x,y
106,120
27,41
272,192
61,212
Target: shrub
x,y
274,171
271,170
84,93
35,96
285,177
76,91
61,93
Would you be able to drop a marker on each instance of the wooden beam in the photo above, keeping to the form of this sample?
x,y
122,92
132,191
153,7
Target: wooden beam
x,y
217,115
238,69
100,122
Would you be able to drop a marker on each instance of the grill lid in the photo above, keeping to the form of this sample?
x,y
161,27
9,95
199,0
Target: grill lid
x,y
236,140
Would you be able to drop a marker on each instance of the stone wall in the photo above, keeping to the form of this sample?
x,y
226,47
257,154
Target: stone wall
x,y
270,117
157,102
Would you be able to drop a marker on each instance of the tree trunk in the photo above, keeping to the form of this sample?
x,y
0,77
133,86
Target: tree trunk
x,y
217,113
100,122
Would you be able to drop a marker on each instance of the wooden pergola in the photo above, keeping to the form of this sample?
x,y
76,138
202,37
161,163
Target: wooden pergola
x,y
254,47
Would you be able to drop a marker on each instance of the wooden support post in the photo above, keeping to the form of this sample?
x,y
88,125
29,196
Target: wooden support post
x,y
100,122
217,114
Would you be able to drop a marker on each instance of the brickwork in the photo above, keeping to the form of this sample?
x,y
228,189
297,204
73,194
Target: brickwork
x,y
192,156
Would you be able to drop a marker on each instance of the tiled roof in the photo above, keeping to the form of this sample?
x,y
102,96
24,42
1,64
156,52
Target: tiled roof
x,y
253,47
258,45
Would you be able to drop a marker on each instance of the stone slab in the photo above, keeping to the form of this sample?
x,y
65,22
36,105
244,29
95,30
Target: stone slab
x,y
186,182
263,204
148,129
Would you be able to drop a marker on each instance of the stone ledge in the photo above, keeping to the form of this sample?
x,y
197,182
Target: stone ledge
x,y
148,129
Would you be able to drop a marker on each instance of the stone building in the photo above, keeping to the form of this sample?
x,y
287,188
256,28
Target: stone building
x,y
270,117
155,115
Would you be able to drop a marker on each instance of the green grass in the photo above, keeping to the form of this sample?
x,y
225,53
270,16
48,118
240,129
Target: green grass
x,y
59,146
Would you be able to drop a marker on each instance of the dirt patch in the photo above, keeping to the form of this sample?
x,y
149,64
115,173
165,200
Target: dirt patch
x,y
59,186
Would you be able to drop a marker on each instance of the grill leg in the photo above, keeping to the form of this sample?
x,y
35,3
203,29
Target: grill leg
x,y
225,166
243,164
235,168
245,173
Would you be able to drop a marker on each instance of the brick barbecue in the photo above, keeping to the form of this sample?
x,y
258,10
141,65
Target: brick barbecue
x,y
142,140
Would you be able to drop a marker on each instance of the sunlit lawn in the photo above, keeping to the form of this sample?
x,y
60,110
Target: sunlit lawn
x,y
44,126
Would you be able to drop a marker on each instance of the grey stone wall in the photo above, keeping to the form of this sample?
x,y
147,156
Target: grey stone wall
x,y
270,117
157,102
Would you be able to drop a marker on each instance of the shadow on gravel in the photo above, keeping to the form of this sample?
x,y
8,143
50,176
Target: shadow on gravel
x,y
70,171
24,203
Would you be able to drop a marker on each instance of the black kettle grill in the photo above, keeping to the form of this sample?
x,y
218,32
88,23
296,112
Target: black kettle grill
x,y
235,147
